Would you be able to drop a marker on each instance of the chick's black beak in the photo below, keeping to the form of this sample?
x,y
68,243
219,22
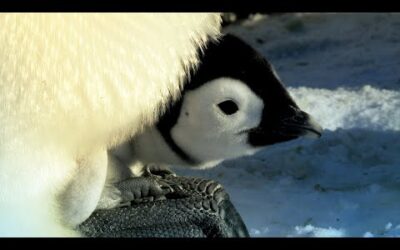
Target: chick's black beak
x,y
300,124
288,126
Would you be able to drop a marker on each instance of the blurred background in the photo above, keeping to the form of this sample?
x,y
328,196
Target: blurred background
x,y
344,69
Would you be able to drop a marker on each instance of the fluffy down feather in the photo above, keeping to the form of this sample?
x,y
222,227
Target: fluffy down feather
x,y
72,86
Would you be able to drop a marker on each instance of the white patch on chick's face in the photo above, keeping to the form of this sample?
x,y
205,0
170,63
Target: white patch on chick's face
x,y
213,117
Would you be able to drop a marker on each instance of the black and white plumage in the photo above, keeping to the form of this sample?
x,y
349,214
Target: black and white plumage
x,y
233,104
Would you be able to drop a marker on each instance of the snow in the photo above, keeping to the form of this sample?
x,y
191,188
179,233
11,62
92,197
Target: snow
x,y
319,232
344,69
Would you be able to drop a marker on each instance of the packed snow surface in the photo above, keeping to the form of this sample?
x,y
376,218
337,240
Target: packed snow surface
x,y
343,69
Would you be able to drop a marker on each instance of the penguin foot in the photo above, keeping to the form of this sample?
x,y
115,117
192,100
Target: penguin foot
x,y
158,170
199,208
146,188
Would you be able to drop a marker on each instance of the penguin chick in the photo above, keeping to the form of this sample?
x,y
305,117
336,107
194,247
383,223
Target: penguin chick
x,y
232,105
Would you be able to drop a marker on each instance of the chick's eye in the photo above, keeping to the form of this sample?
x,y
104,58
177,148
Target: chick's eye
x,y
228,107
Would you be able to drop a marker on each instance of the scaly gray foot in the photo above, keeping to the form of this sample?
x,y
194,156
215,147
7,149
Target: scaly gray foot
x,y
150,187
196,208
158,170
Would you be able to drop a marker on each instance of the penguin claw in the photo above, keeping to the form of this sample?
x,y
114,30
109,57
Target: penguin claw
x,y
143,189
157,170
